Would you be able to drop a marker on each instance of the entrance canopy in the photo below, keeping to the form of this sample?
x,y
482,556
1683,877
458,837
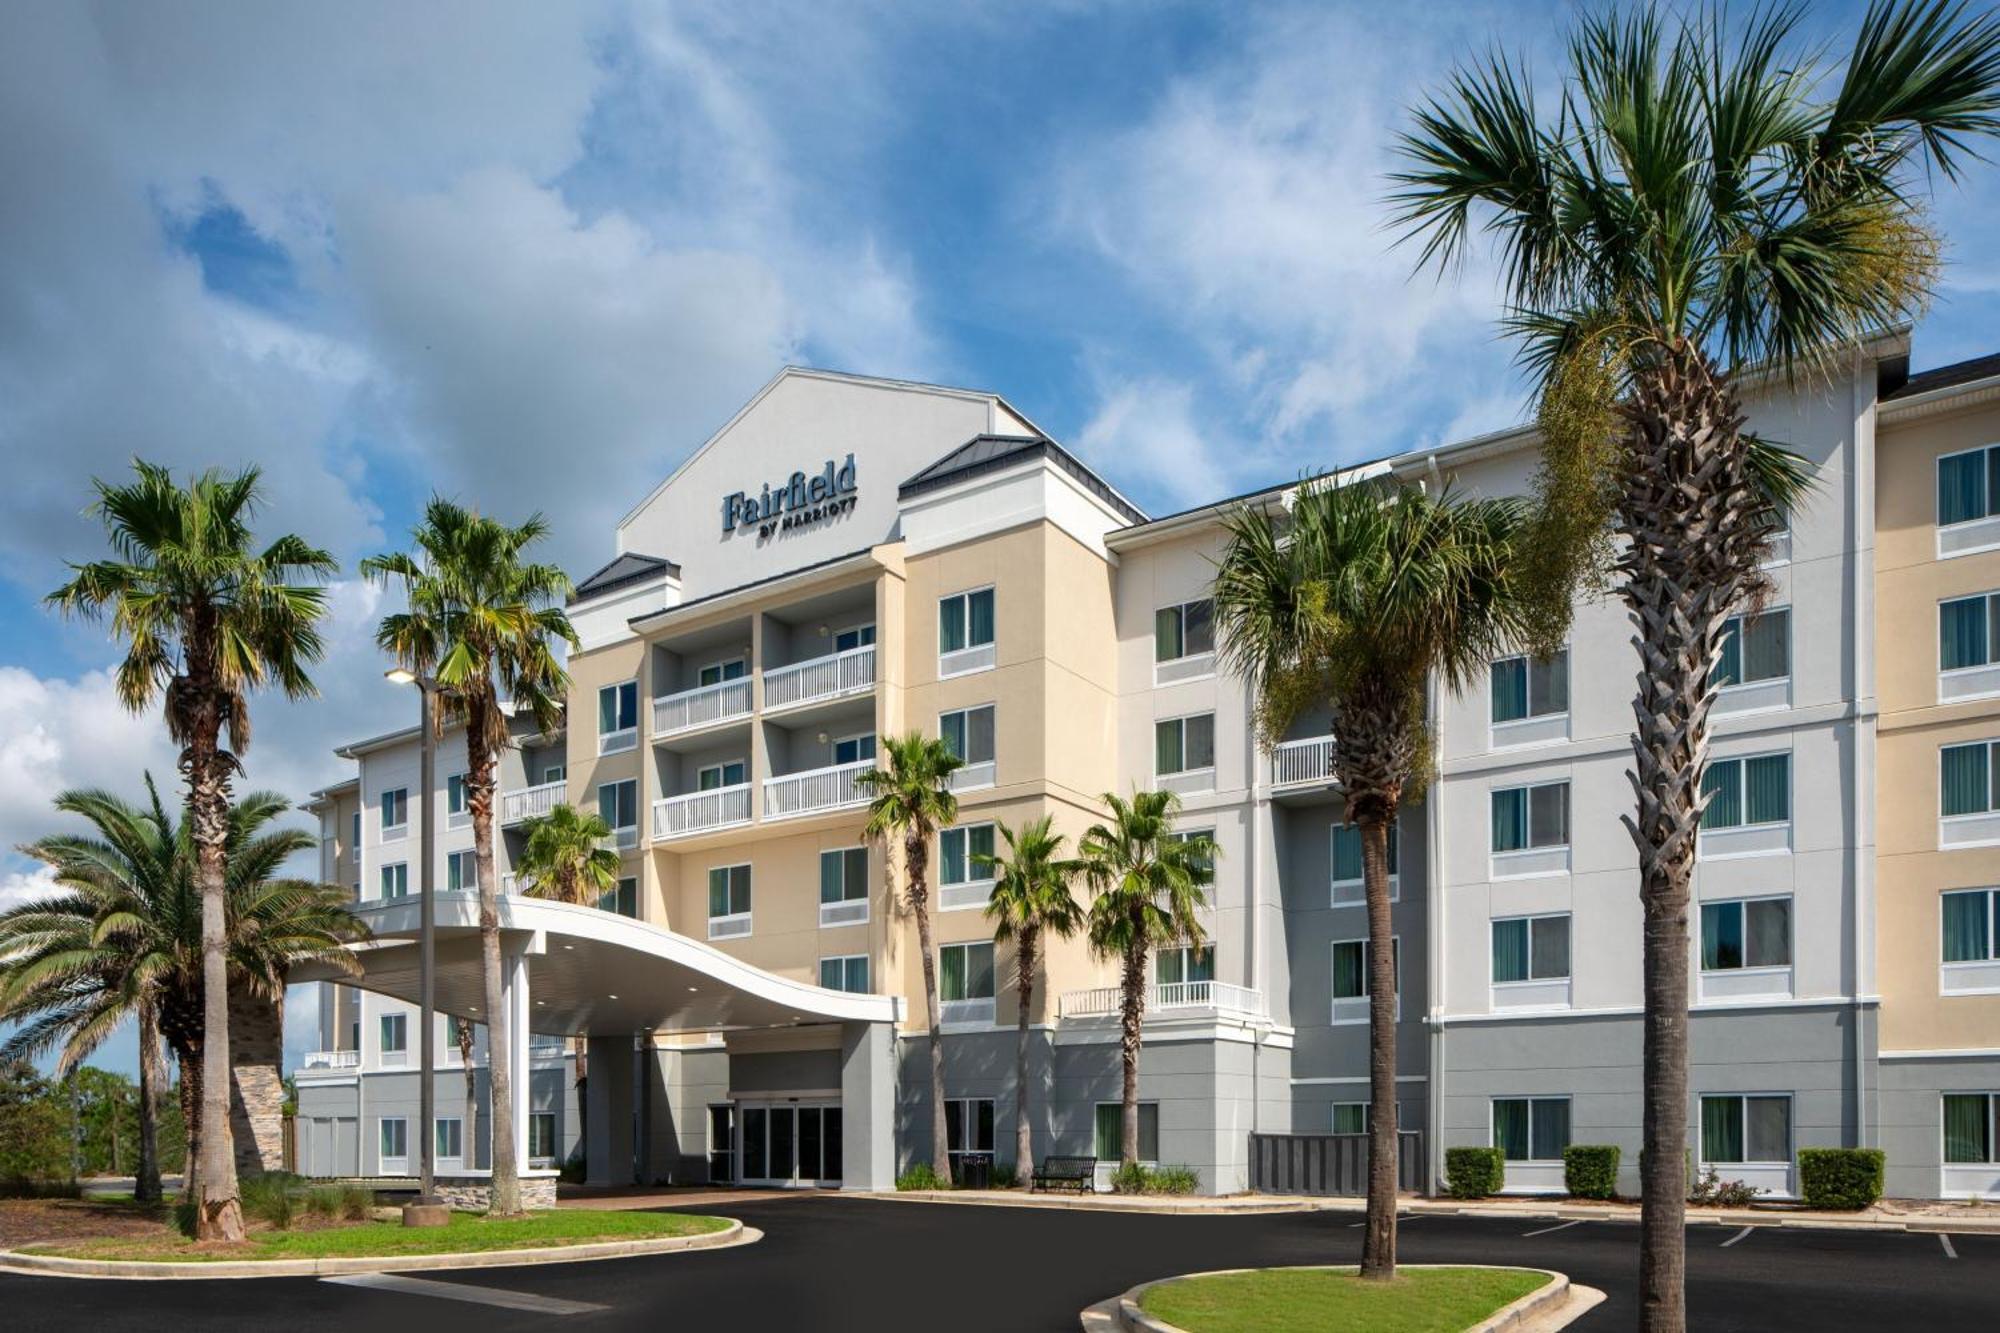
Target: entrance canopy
x,y
590,971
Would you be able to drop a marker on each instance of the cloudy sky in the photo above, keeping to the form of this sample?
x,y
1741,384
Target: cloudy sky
x,y
529,255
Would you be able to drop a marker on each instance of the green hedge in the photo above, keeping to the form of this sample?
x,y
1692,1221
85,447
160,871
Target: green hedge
x,y
1840,1178
1590,1170
1473,1173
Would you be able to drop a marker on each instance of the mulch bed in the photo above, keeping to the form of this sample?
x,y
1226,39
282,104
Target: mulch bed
x,y
26,1221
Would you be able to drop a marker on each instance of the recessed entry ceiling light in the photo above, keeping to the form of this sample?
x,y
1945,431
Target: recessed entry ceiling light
x,y
611,997
693,989
569,946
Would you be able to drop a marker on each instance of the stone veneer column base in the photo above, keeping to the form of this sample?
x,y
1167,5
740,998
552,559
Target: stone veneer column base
x,y
470,1193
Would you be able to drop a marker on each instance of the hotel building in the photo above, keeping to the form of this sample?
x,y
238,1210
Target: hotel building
x,y
850,558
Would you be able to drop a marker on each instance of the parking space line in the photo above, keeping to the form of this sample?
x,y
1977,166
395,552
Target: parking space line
x,y
1945,1241
1560,1226
459,1291
1402,1219
1738,1236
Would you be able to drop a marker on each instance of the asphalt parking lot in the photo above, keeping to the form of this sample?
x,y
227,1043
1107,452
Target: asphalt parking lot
x,y
872,1264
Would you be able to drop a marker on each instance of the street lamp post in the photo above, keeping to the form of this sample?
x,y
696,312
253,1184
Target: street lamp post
x,y
427,1210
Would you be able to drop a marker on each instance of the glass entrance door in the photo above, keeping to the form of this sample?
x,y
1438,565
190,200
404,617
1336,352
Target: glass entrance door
x,y
790,1144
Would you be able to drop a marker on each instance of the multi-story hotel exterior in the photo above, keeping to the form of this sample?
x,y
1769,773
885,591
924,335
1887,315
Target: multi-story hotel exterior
x,y
850,558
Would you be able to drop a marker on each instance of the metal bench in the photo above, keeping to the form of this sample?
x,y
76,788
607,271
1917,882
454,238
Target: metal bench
x,y
1072,1173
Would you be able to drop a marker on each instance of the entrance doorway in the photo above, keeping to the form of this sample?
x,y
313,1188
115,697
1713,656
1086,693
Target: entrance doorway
x,y
786,1143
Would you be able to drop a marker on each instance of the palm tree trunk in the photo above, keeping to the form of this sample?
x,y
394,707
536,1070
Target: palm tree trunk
x,y
916,856
469,1137
1024,987
146,1187
190,1098
504,1197
219,1215
1131,1018
1378,1249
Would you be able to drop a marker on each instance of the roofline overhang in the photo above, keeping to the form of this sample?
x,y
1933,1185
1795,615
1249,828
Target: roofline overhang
x,y
741,598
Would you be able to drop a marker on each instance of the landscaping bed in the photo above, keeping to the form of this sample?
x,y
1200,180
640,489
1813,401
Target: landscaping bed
x,y
1279,1300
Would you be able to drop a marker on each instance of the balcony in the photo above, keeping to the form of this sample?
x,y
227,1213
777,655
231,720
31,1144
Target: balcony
x,y
1173,999
707,706
333,1060
701,811
1304,763
815,790
532,802
836,676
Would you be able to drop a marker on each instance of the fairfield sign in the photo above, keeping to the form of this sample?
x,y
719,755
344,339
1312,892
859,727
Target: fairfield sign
x,y
797,502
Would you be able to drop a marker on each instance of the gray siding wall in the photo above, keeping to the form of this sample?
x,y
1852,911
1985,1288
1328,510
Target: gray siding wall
x,y
1912,1109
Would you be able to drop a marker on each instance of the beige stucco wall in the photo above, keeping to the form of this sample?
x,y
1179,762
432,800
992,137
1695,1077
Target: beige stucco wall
x,y
1911,872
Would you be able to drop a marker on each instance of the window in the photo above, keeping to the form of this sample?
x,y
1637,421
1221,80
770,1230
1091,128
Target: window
x,y
395,1032
455,1029
848,973
1754,648
455,804
461,871
859,636
729,891
1350,979
1969,1123
1187,630
554,773
960,853
1755,932
450,1137
1739,1129
622,898
1748,791
965,973
1184,744
968,1128
395,810
1968,486
855,749
1531,1129
1346,853
712,777
1969,632
1186,962
1203,857
1526,687
1525,818
968,733
541,1136
395,1139
722,1143
717,672
395,880
1110,1137
965,620
618,806
617,717
1965,775
354,837
1531,948
843,886
1969,935
1350,1117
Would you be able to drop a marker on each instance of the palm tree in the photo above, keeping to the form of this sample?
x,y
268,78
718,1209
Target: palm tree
x,y
1700,202
207,618
1031,899
479,621
1148,886
566,856
1352,604
125,939
910,800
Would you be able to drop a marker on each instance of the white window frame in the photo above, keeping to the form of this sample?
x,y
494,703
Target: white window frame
x,y
1111,1163
462,816
721,770
555,1141
618,739
973,1009
1764,692
1186,952
457,1123
399,797
1742,903
1531,991
1334,1109
468,860
1358,1005
1762,838
850,910
1185,665
1969,535
719,666
857,630
354,842
400,1023
732,925
624,835
1531,728
1971,976
845,959
1532,859
1973,828
1976,1180
833,747
382,1154
392,870
972,774
1353,892
967,1112
1492,1138
972,657
976,888
1200,777
1981,680
1773,1175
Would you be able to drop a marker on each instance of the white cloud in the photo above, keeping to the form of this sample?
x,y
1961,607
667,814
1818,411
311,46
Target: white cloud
x,y
60,734
18,888
1153,419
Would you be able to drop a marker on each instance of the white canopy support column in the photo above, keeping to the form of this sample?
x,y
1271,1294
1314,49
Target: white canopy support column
x,y
514,951
868,1106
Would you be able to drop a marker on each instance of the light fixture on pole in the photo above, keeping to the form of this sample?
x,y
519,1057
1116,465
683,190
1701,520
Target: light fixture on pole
x,y
427,1210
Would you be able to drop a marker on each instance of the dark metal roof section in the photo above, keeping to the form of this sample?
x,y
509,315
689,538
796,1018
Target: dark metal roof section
x,y
990,453
1907,385
627,569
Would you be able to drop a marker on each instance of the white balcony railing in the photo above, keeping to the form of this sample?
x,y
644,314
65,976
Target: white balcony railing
x,y
1303,763
530,802
333,1060
1219,996
704,707
814,790
833,677
698,811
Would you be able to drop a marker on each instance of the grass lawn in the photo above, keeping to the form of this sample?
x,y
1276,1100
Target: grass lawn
x,y
1420,1300
467,1233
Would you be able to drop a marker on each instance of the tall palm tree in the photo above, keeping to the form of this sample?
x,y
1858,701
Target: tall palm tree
x,y
1702,200
910,800
125,936
480,621
207,618
565,856
1353,603
1147,884
1031,899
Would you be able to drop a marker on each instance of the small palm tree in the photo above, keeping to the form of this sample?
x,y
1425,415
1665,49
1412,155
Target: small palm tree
x,y
1698,203
207,618
1031,900
566,857
1148,885
910,800
481,621
1353,604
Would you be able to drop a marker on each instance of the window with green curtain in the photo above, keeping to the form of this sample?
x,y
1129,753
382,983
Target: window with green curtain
x,y
1721,936
1967,932
951,856
1722,783
1722,1129
728,890
1548,952
1767,932
1110,1131
966,971
1728,668
1754,648
1346,853
1510,819
1510,689
1966,777
1350,979
951,623
1198,740
1767,789
1198,626
1548,815
1168,643
1962,487
951,973
1963,633
1350,1117
1968,1127
1767,1128
1548,1128
1510,950
979,617
1510,1127
1167,751
1548,686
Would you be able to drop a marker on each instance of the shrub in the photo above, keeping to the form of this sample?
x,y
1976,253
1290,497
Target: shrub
x,y
185,1212
1173,1180
1473,1173
1712,1191
1840,1178
1004,1177
1590,1170
1129,1179
323,1201
357,1202
273,1197
922,1177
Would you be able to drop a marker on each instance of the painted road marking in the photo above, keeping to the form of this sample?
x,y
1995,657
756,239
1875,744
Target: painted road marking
x,y
1402,1219
458,1291
1738,1236
1945,1241
1561,1226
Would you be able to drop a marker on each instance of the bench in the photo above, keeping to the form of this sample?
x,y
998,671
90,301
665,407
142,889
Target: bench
x,y
1074,1173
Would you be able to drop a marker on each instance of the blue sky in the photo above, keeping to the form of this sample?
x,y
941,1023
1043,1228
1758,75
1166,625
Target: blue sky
x,y
531,255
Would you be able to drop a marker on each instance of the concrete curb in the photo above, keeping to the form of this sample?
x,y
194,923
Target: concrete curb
x,y
1536,1306
50,1265
1089,1203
